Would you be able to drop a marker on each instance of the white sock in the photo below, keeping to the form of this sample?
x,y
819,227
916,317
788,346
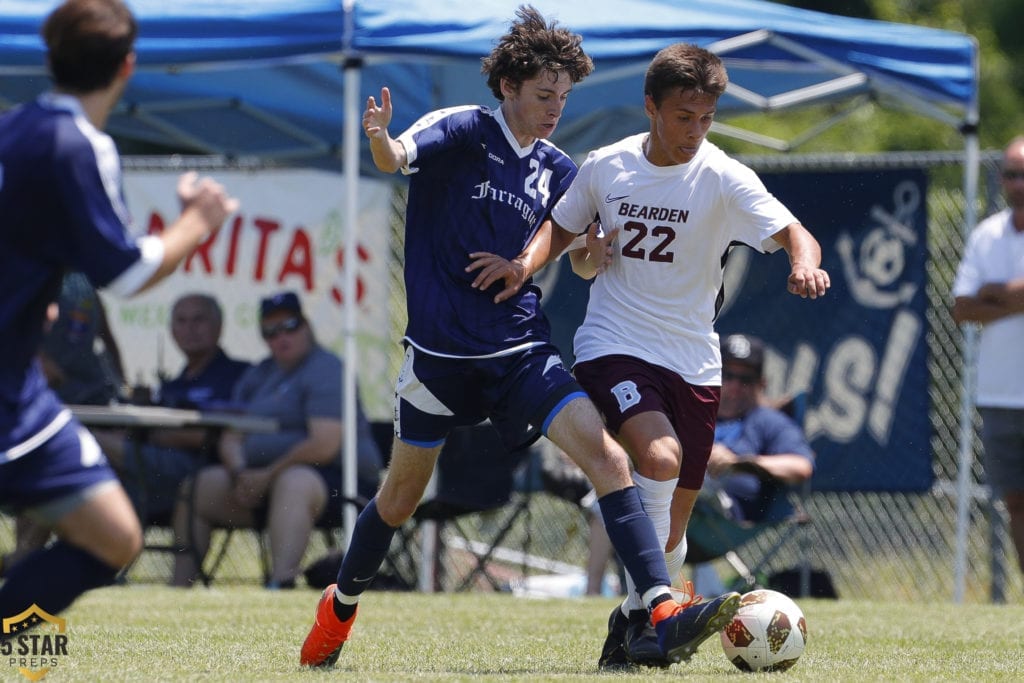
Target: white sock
x,y
653,593
656,497
345,599
674,560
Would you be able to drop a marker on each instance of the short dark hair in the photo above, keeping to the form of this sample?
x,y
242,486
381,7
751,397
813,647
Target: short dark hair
x,y
532,46
683,66
87,41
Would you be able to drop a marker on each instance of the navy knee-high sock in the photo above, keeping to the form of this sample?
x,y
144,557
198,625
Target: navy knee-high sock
x,y
371,540
52,578
633,536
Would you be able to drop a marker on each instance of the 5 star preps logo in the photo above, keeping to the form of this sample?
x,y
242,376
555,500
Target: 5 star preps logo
x,y
33,642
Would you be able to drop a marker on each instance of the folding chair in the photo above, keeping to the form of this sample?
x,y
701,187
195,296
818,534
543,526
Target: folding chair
x,y
327,525
475,474
713,533
220,543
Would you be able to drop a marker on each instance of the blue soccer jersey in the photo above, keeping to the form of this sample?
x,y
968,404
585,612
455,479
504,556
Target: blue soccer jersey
x,y
473,189
61,208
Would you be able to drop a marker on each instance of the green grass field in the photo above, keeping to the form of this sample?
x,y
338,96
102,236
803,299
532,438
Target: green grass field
x,y
148,633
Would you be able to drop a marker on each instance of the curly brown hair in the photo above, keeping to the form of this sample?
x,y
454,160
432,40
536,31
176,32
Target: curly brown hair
x,y
685,67
531,46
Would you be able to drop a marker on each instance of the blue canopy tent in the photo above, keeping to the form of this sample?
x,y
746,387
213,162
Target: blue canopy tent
x,y
287,79
241,78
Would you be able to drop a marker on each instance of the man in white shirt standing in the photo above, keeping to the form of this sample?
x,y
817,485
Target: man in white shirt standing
x,y
989,289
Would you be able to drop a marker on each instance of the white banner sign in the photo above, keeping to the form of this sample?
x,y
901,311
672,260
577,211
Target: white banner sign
x,y
288,235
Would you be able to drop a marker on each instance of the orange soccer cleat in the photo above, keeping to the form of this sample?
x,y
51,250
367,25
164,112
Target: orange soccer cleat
x,y
323,644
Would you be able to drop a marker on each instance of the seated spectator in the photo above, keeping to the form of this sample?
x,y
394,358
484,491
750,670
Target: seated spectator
x,y
152,472
288,479
759,451
79,355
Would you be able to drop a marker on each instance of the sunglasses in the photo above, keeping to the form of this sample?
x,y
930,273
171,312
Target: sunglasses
x,y
745,378
1013,175
287,325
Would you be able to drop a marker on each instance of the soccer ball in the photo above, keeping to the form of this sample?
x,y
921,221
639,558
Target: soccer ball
x,y
768,632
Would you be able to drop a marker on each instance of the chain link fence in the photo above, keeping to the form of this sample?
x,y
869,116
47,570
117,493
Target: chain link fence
x,y
893,545
896,546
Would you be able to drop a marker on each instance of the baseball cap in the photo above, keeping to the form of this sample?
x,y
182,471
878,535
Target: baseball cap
x,y
282,301
741,348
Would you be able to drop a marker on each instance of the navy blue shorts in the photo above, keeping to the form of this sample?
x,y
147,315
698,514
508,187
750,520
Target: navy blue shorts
x,y
66,464
623,386
520,393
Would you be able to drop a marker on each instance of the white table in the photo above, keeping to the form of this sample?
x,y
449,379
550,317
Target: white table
x,y
139,420
157,417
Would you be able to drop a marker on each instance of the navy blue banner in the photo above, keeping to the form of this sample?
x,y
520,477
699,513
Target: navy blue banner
x,y
860,353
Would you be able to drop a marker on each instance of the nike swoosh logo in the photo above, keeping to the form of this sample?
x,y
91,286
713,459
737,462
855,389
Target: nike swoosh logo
x,y
608,199
356,579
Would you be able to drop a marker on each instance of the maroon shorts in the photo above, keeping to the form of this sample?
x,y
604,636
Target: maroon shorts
x,y
623,386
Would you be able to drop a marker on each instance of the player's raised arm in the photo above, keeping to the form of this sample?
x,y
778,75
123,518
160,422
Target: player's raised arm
x,y
388,153
205,205
806,277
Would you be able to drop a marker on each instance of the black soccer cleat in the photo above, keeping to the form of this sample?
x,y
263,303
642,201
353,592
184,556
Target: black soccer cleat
x,y
641,642
613,654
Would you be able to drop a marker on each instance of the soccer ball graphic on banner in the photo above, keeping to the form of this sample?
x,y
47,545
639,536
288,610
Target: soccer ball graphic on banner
x,y
768,632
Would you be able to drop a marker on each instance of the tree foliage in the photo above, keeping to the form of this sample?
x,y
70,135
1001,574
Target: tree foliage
x,y
995,25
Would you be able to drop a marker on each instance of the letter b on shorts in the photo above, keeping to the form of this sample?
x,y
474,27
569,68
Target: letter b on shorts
x,y
626,394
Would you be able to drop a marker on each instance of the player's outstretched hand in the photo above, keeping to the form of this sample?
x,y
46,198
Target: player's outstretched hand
x,y
493,268
805,281
599,244
207,197
376,119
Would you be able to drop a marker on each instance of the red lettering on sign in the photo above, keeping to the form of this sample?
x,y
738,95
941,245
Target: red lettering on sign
x,y
202,252
363,256
236,230
156,224
299,260
266,227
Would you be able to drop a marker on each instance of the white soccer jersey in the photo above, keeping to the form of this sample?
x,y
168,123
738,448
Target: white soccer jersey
x,y
659,298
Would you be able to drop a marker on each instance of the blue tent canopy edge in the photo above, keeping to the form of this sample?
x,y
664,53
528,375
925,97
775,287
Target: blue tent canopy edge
x,y
279,64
